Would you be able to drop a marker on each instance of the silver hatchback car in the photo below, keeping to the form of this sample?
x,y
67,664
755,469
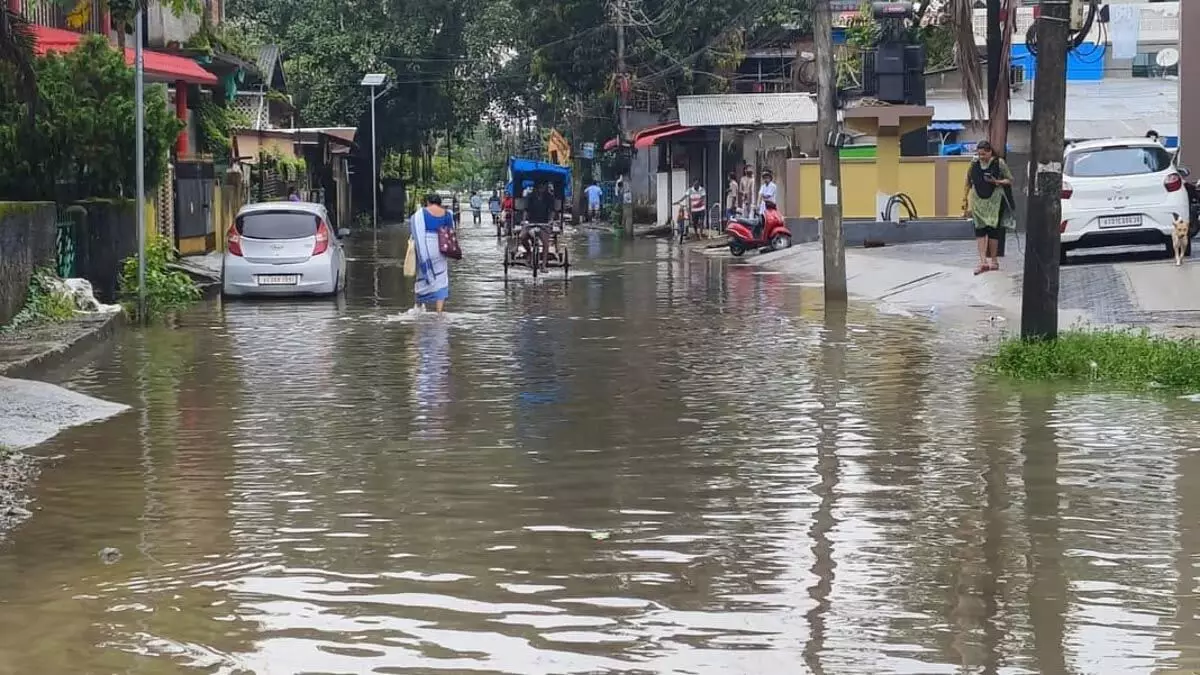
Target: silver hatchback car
x,y
283,248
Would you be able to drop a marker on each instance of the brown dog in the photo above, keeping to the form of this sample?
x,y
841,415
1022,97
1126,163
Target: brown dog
x,y
1180,238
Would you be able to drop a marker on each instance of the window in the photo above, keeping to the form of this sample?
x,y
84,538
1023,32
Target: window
x,y
1117,160
277,225
1145,65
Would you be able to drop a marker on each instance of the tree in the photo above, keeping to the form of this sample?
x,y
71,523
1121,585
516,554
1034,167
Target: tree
x,y
83,134
16,56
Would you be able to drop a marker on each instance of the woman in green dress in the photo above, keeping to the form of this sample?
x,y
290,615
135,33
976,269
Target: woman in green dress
x,y
986,202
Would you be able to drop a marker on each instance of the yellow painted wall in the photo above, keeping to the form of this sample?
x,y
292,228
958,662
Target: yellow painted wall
x,y
249,144
915,176
151,219
958,182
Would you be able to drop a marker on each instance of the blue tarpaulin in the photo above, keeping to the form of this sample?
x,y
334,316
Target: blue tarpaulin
x,y
523,166
946,126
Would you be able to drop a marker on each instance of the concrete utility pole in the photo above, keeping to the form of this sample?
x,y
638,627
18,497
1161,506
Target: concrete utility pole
x,y
621,10
139,130
1039,297
996,61
832,243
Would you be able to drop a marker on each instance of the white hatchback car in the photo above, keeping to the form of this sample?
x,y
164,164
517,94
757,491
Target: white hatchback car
x,y
1120,192
283,248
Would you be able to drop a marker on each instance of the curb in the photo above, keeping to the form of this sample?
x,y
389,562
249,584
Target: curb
x,y
100,331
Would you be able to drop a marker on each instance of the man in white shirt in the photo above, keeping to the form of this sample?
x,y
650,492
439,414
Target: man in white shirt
x,y
767,192
594,193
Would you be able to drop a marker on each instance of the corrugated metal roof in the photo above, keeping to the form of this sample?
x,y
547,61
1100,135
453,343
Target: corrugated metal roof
x,y
1112,107
268,58
738,110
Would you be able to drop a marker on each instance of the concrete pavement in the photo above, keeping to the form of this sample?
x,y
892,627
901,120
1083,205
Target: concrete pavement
x,y
1130,287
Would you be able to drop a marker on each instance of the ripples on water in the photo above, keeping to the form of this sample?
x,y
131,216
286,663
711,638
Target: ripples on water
x,y
668,465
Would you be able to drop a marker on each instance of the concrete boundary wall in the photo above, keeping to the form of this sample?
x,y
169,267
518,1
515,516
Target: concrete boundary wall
x,y
860,232
28,241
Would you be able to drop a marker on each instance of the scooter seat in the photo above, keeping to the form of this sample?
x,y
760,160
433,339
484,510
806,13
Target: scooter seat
x,y
748,222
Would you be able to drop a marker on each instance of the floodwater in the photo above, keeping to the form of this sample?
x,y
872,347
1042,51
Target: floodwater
x,y
670,465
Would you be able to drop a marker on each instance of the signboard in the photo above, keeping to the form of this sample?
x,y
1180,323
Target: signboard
x,y
588,151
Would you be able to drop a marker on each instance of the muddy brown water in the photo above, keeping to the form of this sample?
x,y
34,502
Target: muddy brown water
x,y
672,465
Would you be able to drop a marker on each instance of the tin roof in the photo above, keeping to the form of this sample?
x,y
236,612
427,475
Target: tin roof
x,y
738,110
1112,107
270,58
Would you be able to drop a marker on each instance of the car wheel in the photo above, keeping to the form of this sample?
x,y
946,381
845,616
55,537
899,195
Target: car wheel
x,y
1062,256
1170,246
1187,252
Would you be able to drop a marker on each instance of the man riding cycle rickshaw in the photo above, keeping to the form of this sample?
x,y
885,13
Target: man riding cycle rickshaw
x,y
540,190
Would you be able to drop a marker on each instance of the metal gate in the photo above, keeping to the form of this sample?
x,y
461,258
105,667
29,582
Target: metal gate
x,y
193,202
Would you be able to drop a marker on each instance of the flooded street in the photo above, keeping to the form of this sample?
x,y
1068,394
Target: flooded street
x,y
669,465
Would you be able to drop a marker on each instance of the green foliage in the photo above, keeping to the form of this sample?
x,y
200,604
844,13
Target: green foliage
x,y
167,289
215,124
1127,358
228,38
288,168
82,134
42,304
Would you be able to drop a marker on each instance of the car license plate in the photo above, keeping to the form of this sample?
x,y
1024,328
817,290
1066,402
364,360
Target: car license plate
x,y
1120,221
278,279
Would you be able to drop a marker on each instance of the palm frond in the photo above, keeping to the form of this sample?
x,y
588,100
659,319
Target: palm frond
x,y
961,16
17,51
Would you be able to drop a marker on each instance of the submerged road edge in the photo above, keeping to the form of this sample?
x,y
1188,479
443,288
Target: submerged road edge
x,y
27,355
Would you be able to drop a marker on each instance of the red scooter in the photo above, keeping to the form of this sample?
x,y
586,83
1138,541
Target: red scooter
x,y
771,234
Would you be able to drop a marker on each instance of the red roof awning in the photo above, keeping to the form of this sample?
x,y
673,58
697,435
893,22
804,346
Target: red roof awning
x,y
159,67
650,137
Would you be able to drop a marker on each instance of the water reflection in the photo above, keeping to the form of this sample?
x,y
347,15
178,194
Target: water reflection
x,y
432,390
670,464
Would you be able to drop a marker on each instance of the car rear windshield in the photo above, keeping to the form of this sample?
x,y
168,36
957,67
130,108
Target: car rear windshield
x,y
277,225
1117,161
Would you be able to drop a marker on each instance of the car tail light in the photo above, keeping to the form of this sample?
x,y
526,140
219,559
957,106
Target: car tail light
x,y
322,243
233,242
1067,190
1062,227
1173,182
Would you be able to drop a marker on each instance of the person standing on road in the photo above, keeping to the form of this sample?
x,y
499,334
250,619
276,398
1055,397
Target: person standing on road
x,y
767,193
986,202
731,196
746,191
477,208
697,205
494,207
432,286
594,193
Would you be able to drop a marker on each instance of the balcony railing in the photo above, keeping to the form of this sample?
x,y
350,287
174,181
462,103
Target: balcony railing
x,y
55,15
1159,23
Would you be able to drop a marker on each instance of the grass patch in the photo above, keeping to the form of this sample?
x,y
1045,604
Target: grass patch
x,y
42,304
1130,358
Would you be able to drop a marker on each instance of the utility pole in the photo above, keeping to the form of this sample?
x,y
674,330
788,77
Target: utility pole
x,y
995,61
1039,296
833,245
621,10
139,130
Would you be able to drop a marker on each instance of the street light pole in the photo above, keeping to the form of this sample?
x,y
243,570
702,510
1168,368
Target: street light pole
x,y
139,125
373,81
374,168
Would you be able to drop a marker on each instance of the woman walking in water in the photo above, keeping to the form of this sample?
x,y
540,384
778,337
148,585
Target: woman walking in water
x,y
433,269
986,203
